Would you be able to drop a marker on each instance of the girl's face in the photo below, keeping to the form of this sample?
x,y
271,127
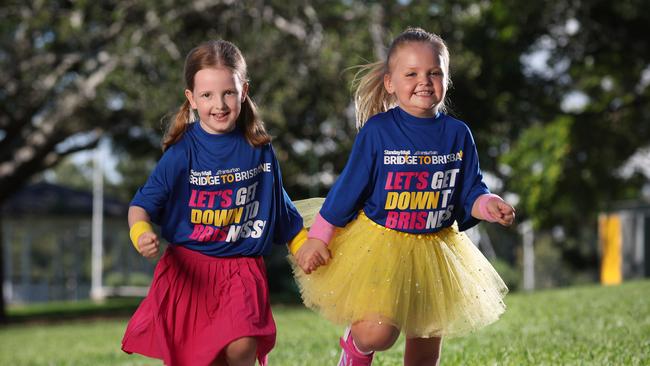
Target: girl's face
x,y
218,94
416,78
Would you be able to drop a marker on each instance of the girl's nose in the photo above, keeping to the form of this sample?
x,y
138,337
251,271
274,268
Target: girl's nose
x,y
219,103
424,79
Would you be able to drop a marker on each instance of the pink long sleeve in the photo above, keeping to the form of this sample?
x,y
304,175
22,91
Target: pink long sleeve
x,y
321,229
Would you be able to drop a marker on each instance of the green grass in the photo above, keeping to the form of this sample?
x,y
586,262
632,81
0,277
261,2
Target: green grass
x,y
574,326
57,311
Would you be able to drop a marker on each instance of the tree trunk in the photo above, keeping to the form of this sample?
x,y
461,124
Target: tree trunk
x,y
3,313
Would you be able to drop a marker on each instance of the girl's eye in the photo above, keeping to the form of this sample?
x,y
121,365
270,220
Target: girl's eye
x,y
205,95
436,73
410,74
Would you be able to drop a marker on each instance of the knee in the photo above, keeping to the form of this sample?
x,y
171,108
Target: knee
x,y
241,350
372,336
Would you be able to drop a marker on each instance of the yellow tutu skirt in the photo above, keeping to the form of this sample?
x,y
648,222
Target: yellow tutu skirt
x,y
428,285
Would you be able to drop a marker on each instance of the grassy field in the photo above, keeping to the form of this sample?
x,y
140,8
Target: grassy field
x,y
574,326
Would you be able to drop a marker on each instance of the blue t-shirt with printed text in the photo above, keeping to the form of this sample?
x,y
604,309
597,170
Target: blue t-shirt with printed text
x,y
411,174
218,195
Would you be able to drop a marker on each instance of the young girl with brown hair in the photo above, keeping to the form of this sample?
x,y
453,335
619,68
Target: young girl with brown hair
x,y
217,195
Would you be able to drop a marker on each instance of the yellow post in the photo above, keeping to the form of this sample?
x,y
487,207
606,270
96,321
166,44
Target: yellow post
x,y
611,244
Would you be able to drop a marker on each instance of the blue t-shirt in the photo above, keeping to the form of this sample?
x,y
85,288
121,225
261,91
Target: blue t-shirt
x,y
218,195
416,175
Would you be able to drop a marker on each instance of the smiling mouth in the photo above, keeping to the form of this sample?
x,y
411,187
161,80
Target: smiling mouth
x,y
424,93
220,116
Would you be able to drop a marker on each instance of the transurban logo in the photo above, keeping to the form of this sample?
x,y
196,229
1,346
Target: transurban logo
x,y
390,159
206,178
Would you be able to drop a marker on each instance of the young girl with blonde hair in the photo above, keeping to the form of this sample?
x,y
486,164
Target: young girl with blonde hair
x,y
386,253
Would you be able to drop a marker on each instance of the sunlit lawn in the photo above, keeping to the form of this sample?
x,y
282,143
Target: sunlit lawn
x,y
574,326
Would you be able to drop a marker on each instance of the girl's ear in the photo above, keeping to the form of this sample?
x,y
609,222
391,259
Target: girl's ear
x,y
388,84
244,92
190,98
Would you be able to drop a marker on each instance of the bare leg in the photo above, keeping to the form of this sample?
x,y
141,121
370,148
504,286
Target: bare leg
x,y
240,352
375,335
219,361
422,351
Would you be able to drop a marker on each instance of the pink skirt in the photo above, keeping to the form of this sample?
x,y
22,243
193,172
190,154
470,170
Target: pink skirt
x,y
197,305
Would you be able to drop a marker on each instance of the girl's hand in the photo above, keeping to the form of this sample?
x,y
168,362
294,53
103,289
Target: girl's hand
x,y
312,254
501,211
149,244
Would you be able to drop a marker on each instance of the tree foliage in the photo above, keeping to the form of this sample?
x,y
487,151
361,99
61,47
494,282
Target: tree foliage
x,y
73,72
596,50
540,151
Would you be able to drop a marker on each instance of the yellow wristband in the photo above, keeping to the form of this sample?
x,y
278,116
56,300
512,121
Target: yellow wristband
x,y
298,241
138,229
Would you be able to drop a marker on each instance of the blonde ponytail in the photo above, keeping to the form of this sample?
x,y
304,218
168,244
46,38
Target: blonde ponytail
x,y
370,96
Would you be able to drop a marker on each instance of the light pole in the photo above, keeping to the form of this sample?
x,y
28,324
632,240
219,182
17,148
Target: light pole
x,y
96,288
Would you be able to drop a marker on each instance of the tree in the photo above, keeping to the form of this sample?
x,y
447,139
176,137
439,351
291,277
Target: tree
x,y
73,71
516,67
76,71
58,59
597,70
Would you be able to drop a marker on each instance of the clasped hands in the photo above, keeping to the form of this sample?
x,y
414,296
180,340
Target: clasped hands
x,y
312,254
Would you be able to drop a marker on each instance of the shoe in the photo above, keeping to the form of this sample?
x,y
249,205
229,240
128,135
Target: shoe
x,y
350,355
